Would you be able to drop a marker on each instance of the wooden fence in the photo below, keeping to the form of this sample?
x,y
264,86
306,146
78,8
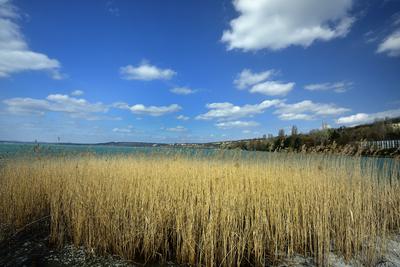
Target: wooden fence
x,y
384,144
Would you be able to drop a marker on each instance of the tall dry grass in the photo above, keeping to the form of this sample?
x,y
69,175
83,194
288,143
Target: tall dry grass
x,y
208,211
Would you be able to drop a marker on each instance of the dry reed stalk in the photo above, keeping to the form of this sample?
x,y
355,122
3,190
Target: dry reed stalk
x,y
208,211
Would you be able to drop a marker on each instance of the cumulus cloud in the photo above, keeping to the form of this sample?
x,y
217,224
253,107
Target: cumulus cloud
x,y
79,107
15,55
295,116
391,45
278,24
146,72
236,124
247,78
75,107
338,87
120,105
77,93
148,110
308,110
182,91
27,105
177,129
122,130
361,118
228,111
154,110
182,118
261,83
127,130
272,88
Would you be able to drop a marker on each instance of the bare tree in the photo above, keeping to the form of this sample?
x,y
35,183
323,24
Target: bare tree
x,y
281,133
294,130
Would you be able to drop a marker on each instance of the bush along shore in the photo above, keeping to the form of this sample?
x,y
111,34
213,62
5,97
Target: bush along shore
x,y
381,138
356,149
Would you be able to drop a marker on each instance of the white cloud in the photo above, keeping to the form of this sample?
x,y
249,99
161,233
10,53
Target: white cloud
x,y
120,105
182,118
15,55
308,110
66,103
148,110
177,129
122,130
294,116
236,124
361,118
228,111
338,87
391,45
247,78
272,88
258,83
75,107
182,91
77,93
278,24
146,72
27,105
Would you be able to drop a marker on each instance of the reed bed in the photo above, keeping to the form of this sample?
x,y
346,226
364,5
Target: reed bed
x,y
208,210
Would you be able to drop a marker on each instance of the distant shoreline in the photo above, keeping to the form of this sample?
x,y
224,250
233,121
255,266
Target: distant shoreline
x,y
320,150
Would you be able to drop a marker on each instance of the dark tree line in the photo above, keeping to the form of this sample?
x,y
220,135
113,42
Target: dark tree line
x,y
388,129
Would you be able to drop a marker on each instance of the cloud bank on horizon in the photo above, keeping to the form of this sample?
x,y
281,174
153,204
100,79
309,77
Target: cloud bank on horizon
x,y
276,63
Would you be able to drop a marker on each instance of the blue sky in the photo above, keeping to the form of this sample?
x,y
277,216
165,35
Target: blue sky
x,y
194,71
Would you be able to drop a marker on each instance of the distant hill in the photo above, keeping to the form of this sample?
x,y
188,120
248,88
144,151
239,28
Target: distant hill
x,y
127,144
133,144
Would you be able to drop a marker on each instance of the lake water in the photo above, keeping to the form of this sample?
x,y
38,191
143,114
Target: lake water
x,y
12,150
23,150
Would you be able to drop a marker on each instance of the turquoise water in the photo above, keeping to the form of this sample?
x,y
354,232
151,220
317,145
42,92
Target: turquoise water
x,y
15,150
9,151
21,149
12,150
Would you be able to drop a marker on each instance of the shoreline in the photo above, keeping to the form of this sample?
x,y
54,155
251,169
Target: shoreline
x,y
347,150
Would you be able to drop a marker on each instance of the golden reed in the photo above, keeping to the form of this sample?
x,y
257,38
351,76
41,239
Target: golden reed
x,y
208,210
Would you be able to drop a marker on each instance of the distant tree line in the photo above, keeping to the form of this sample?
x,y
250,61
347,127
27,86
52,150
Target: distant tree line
x,y
322,139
